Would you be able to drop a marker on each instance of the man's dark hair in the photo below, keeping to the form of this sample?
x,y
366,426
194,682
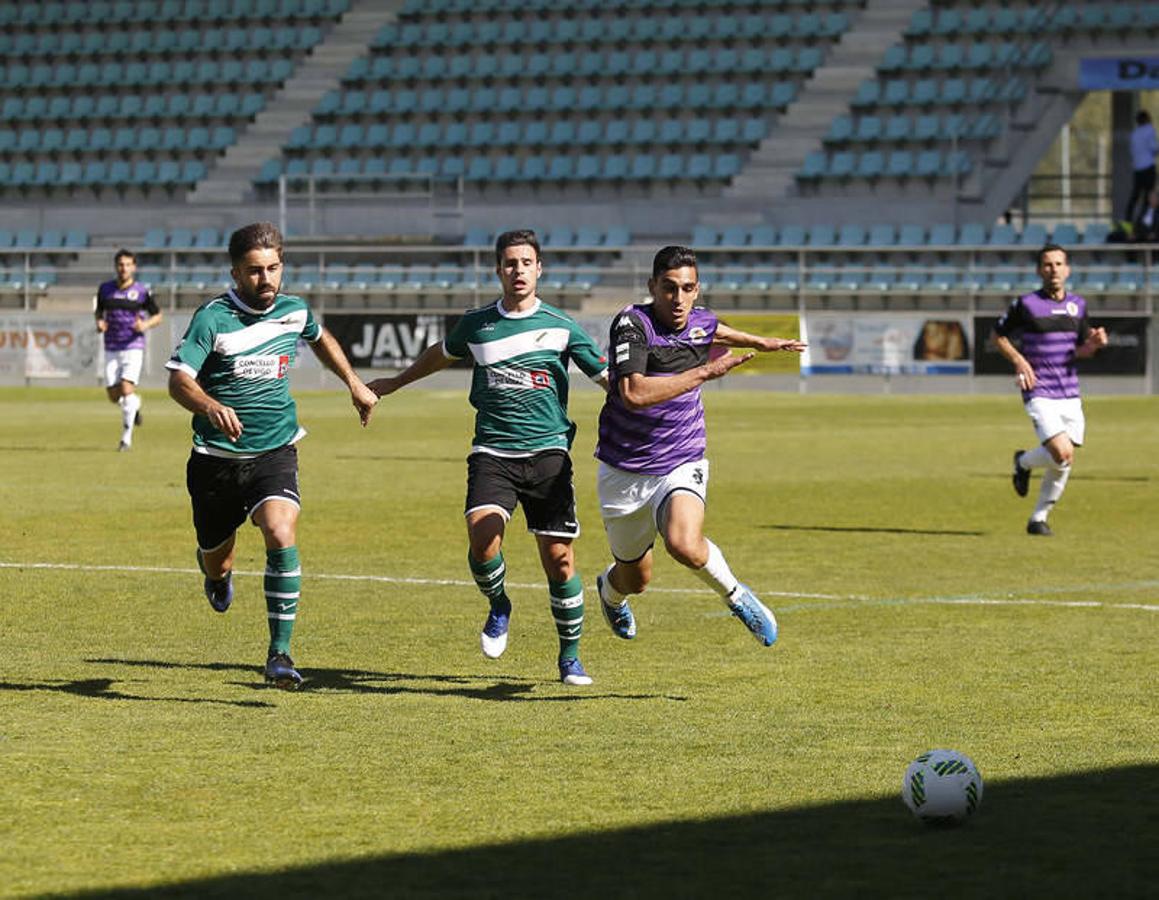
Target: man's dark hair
x,y
122,253
1051,248
513,239
259,236
673,258
1142,117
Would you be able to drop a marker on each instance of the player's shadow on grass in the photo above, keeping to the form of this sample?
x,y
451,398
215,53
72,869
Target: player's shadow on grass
x,y
362,681
102,689
871,529
1082,835
1075,476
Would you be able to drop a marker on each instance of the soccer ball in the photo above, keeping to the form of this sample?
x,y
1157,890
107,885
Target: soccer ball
x,y
942,787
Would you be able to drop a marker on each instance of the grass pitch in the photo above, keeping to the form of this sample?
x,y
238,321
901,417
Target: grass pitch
x,y
141,754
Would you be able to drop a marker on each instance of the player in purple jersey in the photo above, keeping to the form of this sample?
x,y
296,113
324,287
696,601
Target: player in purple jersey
x,y
1055,331
653,476
125,310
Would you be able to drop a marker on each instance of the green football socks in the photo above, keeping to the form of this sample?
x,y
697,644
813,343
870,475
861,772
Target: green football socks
x,y
490,577
567,608
283,585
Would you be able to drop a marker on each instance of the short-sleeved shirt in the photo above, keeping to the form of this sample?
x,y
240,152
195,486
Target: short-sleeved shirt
x,y
120,308
1144,147
658,439
1051,331
242,358
519,387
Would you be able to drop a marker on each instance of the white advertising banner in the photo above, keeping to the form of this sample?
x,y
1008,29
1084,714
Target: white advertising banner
x,y
884,344
40,346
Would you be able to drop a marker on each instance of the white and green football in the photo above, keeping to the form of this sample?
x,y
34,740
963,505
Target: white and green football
x,y
942,787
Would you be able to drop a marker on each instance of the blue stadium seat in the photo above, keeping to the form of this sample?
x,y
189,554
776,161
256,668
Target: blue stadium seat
x,y
972,233
842,164
840,131
815,166
822,235
870,164
1065,233
1095,233
851,235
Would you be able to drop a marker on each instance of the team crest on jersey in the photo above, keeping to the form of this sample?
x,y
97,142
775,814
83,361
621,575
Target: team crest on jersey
x,y
1072,308
697,334
132,295
261,367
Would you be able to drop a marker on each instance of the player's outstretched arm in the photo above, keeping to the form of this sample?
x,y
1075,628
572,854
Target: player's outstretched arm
x,y
640,391
429,361
731,337
329,352
189,394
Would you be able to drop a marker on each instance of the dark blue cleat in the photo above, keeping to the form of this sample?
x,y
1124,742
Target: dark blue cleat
x,y
280,672
571,671
494,636
218,593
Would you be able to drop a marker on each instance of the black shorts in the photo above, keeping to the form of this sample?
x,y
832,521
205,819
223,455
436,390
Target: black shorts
x,y
225,492
541,483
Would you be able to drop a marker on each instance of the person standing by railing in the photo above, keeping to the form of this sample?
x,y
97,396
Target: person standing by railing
x,y
1144,149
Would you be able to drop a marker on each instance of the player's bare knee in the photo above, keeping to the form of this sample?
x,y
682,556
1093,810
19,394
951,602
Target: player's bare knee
x,y
687,553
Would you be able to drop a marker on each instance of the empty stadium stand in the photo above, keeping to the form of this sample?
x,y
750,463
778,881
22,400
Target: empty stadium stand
x,y
841,153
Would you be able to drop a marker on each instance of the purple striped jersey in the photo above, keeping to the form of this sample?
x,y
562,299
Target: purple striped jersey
x,y
121,307
658,439
1051,331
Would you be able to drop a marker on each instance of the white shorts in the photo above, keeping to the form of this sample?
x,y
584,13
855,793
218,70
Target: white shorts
x,y
1051,417
123,365
631,503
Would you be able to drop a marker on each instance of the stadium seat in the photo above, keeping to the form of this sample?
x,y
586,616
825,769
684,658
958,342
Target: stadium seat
x,y
972,233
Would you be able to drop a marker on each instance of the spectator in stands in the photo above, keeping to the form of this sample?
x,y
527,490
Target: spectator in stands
x,y
653,475
231,371
125,310
1054,329
1146,230
1144,148
521,348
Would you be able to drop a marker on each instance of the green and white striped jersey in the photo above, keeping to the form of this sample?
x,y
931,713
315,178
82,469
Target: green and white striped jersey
x,y
242,358
520,384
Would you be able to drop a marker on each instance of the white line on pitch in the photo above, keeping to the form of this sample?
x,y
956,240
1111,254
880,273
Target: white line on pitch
x,y
833,600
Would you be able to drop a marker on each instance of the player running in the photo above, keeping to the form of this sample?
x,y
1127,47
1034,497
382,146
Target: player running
x,y
1054,328
231,370
520,347
653,477
125,310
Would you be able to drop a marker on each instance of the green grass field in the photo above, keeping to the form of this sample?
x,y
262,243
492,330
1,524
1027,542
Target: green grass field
x,y
140,752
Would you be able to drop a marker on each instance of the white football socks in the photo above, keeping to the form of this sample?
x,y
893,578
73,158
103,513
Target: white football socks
x,y
609,595
1036,458
129,406
1053,483
716,573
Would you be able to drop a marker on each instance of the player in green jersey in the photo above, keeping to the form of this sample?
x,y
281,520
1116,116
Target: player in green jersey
x,y
521,348
231,370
